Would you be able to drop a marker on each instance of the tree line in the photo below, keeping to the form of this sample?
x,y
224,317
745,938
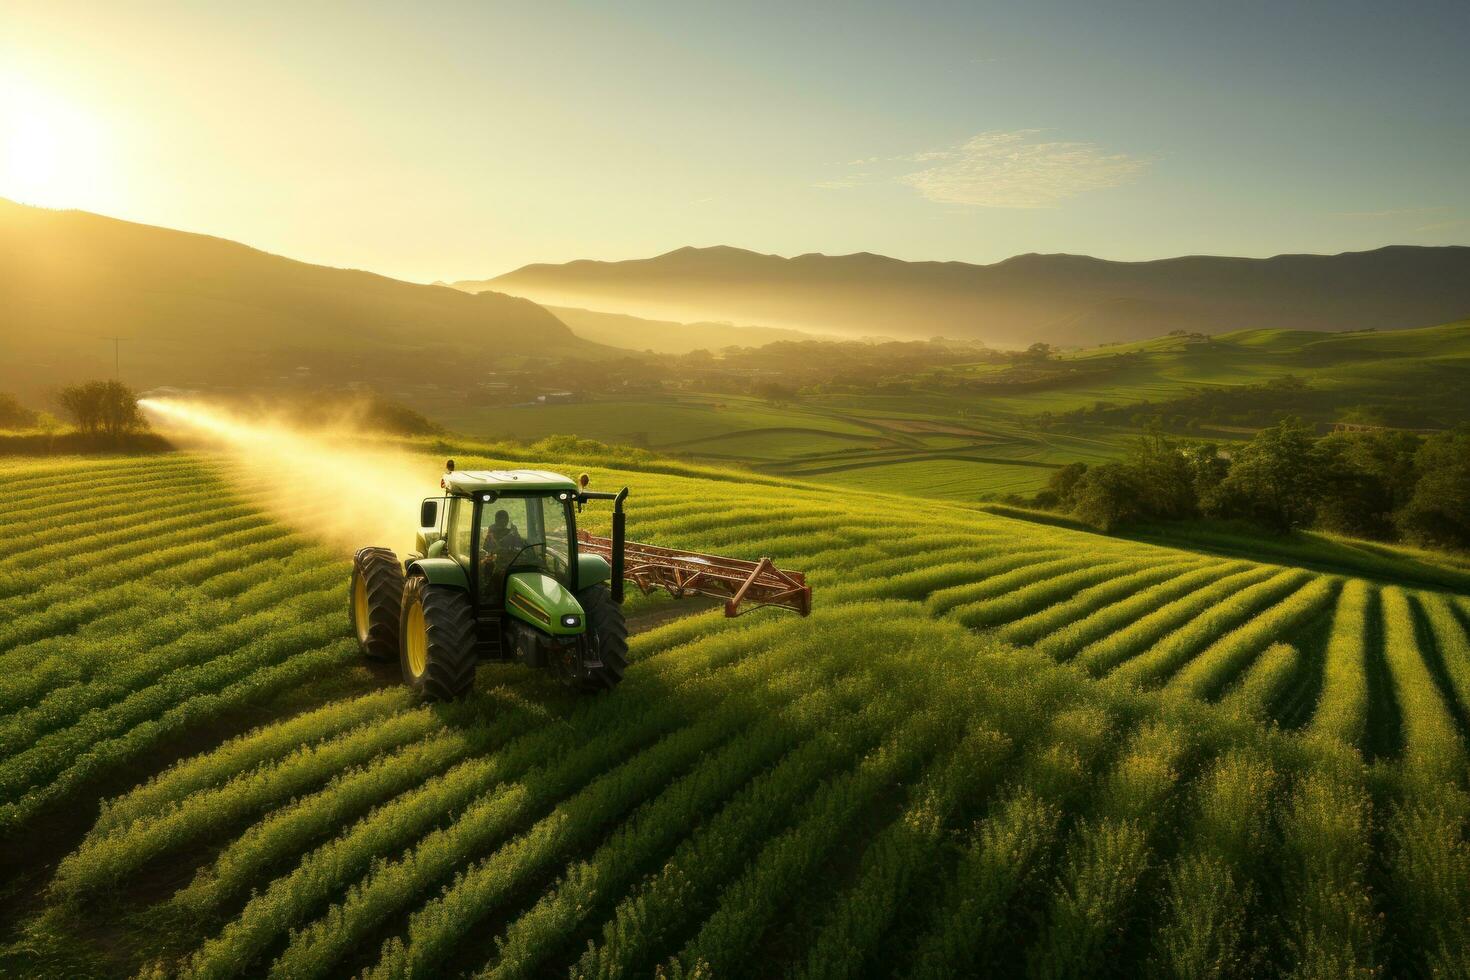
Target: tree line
x,y
1384,484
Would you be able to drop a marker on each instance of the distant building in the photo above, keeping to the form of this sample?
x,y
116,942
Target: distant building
x,y
557,397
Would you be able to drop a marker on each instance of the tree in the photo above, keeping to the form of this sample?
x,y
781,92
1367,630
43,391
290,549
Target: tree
x,y
1438,513
1165,481
1352,499
1274,479
1058,493
387,415
1208,468
1107,496
107,408
1387,454
14,415
776,393
1063,484
1040,351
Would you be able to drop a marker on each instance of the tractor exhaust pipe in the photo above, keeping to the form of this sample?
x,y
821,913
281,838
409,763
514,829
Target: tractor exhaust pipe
x,y
618,518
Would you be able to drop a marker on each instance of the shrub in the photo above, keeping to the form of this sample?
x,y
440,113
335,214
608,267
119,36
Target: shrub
x,y
14,415
107,408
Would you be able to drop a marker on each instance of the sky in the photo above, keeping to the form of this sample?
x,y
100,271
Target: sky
x,y
460,140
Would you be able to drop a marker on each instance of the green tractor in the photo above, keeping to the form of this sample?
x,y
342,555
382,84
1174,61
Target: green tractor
x,y
497,574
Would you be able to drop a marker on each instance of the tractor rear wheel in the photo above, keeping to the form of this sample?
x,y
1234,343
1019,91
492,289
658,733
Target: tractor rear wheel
x,y
607,630
374,601
437,640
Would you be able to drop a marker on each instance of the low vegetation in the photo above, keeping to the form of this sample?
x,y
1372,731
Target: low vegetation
x,y
104,417
1380,483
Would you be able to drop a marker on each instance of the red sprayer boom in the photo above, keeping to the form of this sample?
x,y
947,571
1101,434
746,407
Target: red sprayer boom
x,y
682,573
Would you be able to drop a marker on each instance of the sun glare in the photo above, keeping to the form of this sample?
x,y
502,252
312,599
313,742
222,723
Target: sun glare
x,y
51,152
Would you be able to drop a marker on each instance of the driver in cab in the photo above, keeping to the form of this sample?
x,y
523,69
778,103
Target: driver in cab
x,y
500,546
502,536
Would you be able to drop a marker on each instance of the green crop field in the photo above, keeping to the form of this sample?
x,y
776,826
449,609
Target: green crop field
x,y
661,423
996,747
977,436
965,479
868,443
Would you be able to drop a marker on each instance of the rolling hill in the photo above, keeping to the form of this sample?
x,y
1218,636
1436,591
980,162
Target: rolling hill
x,y
1062,299
193,309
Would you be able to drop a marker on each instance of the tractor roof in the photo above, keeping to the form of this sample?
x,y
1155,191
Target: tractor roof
x,y
506,481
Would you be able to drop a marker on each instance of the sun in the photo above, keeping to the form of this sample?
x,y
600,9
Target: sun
x,y
50,150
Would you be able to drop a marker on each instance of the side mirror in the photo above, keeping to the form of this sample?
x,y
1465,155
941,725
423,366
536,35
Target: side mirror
x,y
583,480
429,513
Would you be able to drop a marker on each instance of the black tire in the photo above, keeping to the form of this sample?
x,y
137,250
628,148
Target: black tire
x,y
375,602
437,640
607,630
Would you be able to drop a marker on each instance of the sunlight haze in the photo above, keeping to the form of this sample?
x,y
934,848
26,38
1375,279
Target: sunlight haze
x,y
456,141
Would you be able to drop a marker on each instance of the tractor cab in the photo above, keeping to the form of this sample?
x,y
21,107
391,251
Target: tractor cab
x,y
495,575
498,523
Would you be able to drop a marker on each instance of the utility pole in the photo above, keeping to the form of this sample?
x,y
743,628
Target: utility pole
x,y
116,356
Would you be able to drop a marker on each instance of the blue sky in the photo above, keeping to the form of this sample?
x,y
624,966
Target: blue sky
x,y
461,140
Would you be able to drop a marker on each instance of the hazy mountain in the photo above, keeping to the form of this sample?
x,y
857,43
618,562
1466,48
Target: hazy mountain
x,y
1064,299
667,336
194,309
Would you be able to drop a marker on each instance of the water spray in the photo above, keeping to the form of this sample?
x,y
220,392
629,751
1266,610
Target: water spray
x,y
324,482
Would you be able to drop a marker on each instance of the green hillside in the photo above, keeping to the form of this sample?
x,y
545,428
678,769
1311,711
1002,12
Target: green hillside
x,y
1370,364
196,310
995,748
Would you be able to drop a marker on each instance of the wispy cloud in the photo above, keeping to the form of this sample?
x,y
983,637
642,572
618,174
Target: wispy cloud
x,y
1445,225
996,170
1018,170
845,183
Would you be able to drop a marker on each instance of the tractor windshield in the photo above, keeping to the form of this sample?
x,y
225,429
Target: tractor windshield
x,y
523,534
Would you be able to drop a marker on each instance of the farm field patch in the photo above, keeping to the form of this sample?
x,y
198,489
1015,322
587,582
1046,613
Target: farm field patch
x,y
656,422
941,477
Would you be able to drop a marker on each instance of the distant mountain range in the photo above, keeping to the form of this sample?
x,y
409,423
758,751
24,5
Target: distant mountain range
x,y
1061,299
196,310
192,309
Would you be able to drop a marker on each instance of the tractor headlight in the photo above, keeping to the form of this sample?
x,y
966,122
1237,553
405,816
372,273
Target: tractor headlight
x,y
571,621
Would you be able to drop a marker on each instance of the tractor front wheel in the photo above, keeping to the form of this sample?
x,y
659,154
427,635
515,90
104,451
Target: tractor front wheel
x,y
437,640
607,631
374,600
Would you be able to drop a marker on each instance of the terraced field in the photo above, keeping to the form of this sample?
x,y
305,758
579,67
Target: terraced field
x,y
995,747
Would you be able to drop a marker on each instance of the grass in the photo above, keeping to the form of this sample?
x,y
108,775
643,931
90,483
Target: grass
x,y
996,747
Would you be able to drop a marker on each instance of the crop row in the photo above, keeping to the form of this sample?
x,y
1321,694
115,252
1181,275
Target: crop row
x,y
548,763
117,650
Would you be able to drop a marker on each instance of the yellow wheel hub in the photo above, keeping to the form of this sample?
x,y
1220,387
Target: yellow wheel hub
x,y
360,609
416,636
